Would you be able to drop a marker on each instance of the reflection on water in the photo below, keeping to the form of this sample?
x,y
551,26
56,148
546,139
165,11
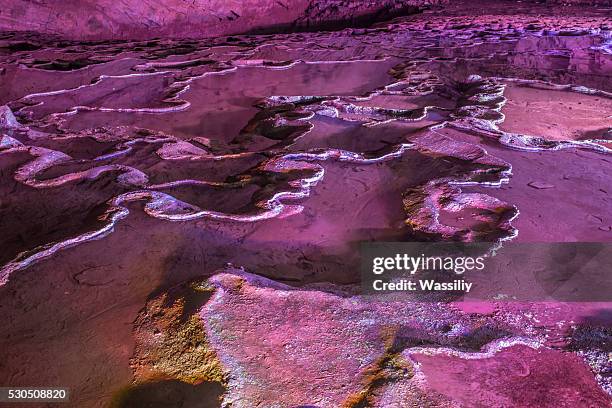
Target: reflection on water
x,y
236,132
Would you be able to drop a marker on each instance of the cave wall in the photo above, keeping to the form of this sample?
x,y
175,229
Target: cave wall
x,y
138,19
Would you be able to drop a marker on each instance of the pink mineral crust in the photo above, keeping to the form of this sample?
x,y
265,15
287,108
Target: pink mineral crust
x,y
359,352
517,376
184,187
331,348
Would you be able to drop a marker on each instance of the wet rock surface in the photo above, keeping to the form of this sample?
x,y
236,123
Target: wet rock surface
x,y
104,19
133,172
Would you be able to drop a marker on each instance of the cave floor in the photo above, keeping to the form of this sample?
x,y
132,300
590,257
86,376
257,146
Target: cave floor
x,y
179,218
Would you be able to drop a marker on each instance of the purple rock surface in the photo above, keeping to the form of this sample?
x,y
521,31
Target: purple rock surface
x,y
179,217
105,19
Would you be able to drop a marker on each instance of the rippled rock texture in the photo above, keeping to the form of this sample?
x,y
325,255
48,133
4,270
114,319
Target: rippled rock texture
x,y
96,19
179,219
